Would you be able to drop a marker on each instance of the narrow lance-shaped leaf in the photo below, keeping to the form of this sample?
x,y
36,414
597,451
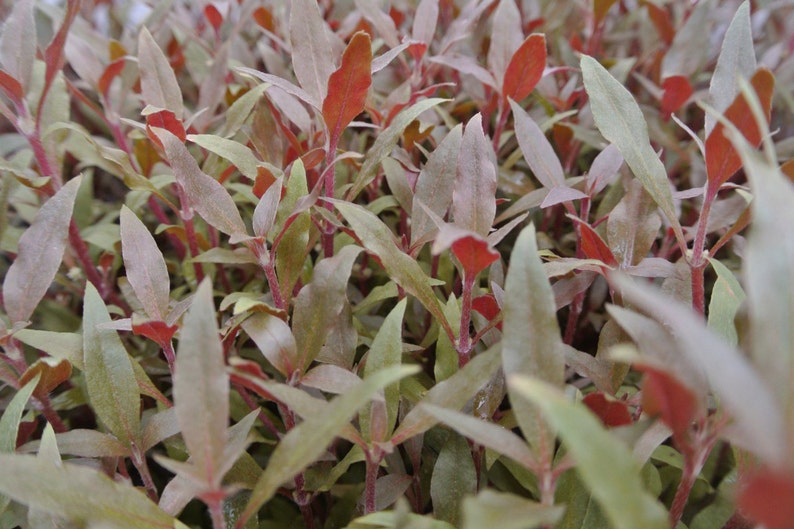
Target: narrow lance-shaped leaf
x,y
233,151
201,387
620,120
145,265
319,302
531,343
604,463
41,249
507,511
525,68
307,441
348,86
79,493
425,21
208,197
506,36
537,150
474,196
109,375
9,422
454,476
158,81
312,56
18,44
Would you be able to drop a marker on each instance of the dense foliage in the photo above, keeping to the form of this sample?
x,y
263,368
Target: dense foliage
x,y
427,264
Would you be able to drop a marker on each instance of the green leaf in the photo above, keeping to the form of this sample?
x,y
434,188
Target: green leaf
x,y
319,302
454,477
145,265
385,143
110,379
405,271
620,120
201,387
306,442
604,463
85,443
727,297
233,151
9,422
82,494
205,194
532,344
18,43
292,250
40,253
159,85
507,511
632,226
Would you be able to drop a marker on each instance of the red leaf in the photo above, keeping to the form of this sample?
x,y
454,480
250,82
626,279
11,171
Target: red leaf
x,y
53,373
765,499
525,68
676,92
488,307
264,18
722,160
11,87
665,396
661,20
165,119
111,72
348,86
611,412
600,9
53,55
158,331
264,179
214,16
474,254
594,246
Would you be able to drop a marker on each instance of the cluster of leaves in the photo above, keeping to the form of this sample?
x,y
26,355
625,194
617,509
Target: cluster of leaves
x,y
433,264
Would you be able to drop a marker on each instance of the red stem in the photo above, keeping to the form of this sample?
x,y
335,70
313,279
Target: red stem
x,y
698,260
373,467
465,344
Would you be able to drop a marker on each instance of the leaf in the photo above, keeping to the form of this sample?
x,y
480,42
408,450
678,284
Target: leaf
x,y
525,68
425,21
201,387
274,339
402,269
741,390
9,422
759,498
84,443
473,252
385,143
611,412
302,445
722,159
348,86
677,91
727,296
145,265
474,196
633,226
454,477
506,35
39,256
265,212
159,85
165,119
18,44
109,376
604,463
537,150
435,184
208,197
62,345
620,120
51,372
663,395
600,10
694,34
604,169
487,434
531,343
233,151
312,55
736,59
80,493
507,511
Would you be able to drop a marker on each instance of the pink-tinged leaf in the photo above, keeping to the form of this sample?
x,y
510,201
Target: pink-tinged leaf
x,y
383,24
40,252
558,195
157,331
537,150
466,65
611,412
472,251
18,44
525,68
209,198
52,372
593,246
474,196
506,37
722,160
214,16
488,307
158,81
145,265
600,9
283,84
201,387
112,71
348,86
694,34
604,169
660,17
633,226
761,498
53,54
274,339
12,88
425,21
109,375
313,59
677,91
265,212
664,396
